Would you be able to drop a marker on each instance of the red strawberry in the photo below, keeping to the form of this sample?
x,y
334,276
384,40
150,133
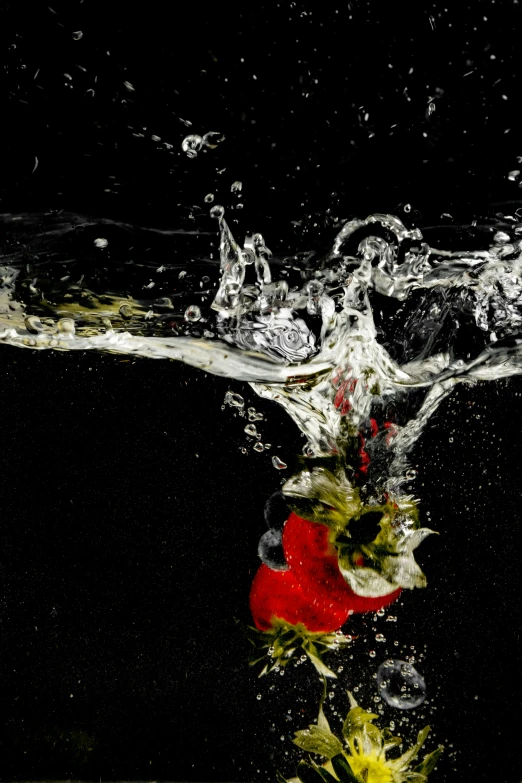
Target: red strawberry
x,y
313,561
278,594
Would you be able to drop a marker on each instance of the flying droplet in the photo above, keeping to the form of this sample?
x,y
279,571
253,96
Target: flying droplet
x,y
234,400
278,463
400,684
192,314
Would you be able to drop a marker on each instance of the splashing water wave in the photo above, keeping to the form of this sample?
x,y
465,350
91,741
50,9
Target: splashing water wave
x,y
359,345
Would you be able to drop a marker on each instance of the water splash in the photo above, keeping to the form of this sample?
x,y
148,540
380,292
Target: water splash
x,y
359,345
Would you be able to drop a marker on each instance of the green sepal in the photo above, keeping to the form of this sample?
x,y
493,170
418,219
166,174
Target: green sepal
x,y
343,769
311,773
318,740
428,762
356,719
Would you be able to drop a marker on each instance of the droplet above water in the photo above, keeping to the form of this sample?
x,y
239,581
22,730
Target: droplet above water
x,y
400,684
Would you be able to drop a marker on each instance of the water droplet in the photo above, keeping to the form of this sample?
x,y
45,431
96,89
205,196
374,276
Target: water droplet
x,y
209,198
128,86
514,175
33,324
191,145
236,187
380,638
407,207
66,326
259,697
217,212
431,108
192,314
234,400
101,242
278,463
400,684
410,474
501,238
251,430
259,447
212,139
270,550
372,653
77,35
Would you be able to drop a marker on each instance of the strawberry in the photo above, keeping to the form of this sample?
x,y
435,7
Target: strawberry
x,y
279,595
313,561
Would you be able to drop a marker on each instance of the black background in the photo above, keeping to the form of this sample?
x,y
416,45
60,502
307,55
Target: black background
x,y
130,517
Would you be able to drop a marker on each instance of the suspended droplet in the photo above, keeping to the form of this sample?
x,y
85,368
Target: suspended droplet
x,y
400,684
234,400
101,242
278,463
191,145
192,314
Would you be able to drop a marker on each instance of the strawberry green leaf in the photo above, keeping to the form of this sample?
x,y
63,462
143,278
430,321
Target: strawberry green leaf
x,y
343,769
318,740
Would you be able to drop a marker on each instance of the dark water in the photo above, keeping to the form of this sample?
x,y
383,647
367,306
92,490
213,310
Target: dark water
x,y
131,515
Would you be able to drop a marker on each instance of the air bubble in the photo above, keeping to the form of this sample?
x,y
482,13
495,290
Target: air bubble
x,y
209,198
259,447
236,187
278,463
191,145
251,430
400,684
407,207
101,242
514,175
192,314
217,212
77,35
